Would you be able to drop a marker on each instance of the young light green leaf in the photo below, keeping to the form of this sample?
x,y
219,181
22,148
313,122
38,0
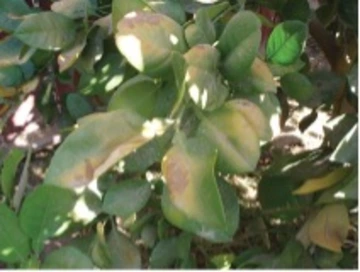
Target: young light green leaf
x,y
14,244
147,41
9,169
101,140
67,257
119,198
45,213
239,46
286,42
47,30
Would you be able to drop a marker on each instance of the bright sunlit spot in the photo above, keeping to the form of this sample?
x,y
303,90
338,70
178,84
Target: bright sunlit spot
x,y
7,251
173,39
131,48
81,211
340,195
23,114
153,128
200,98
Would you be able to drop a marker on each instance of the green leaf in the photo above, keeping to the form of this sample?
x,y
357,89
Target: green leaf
x,y
67,257
99,251
138,94
45,213
15,75
101,140
77,105
292,256
147,41
123,253
69,56
10,49
148,154
347,149
119,198
8,23
275,194
14,244
188,171
239,46
205,88
259,80
203,56
297,86
296,10
9,170
326,259
18,7
286,42
202,31
171,8
47,30
109,72
164,254
75,8
281,70
234,137
188,168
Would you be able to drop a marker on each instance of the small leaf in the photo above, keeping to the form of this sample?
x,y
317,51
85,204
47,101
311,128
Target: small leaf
x,y
329,228
119,198
240,45
14,244
109,137
347,149
316,184
147,41
286,42
9,169
67,257
123,253
99,251
46,30
45,213
297,86
10,49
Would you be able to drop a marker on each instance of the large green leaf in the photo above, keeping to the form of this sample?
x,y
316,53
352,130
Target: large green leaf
x,y
9,170
120,198
234,136
147,41
101,140
239,46
138,93
45,213
67,257
47,30
203,56
286,42
14,244
188,169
